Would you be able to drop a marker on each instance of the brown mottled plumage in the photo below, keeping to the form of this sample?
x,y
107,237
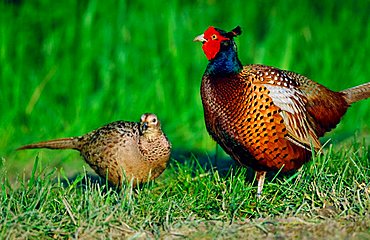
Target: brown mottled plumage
x,y
122,151
264,117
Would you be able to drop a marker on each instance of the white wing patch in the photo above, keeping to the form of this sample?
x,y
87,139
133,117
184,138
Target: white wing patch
x,y
292,104
287,99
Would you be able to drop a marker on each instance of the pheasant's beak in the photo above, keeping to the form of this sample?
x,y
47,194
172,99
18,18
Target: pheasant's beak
x,y
144,126
200,38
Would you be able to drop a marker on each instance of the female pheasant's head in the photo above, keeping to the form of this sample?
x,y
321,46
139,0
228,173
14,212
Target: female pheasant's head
x,y
214,40
150,126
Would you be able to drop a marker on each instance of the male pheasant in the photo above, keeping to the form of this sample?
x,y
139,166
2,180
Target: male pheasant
x,y
265,117
121,151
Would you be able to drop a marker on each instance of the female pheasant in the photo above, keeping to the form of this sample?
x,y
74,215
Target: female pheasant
x,y
121,151
265,117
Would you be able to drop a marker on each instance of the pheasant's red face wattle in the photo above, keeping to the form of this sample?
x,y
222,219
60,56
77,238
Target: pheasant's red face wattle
x,y
212,42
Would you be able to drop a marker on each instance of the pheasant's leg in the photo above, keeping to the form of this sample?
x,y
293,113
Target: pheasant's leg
x,y
260,176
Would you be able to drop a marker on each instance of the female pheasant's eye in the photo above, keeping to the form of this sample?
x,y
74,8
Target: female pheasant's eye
x,y
154,120
214,37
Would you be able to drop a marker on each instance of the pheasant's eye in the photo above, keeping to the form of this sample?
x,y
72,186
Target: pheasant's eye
x,y
214,37
154,120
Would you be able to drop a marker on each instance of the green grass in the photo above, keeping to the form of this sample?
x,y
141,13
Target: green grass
x,y
67,67
191,200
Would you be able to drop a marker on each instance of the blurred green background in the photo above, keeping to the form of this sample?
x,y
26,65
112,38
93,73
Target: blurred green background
x,y
68,67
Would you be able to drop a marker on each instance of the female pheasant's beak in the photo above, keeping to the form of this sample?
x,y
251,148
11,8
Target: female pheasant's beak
x,y
144,126
200,38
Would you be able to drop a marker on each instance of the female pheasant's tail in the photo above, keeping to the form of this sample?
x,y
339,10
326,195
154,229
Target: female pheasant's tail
x,y
357,93
62,143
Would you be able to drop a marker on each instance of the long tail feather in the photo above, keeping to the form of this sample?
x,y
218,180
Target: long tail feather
x,y
62,143
357,93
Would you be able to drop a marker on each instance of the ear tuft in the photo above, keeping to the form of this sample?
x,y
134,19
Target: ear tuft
x,y
235,32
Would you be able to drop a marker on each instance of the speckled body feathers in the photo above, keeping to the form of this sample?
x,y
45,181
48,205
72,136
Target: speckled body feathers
x,y
268,118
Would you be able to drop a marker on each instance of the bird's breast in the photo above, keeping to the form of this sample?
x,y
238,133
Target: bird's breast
x,y
243,119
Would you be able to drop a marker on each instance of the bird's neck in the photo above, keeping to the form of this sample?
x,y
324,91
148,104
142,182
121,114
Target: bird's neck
x,y
152,134
225,63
